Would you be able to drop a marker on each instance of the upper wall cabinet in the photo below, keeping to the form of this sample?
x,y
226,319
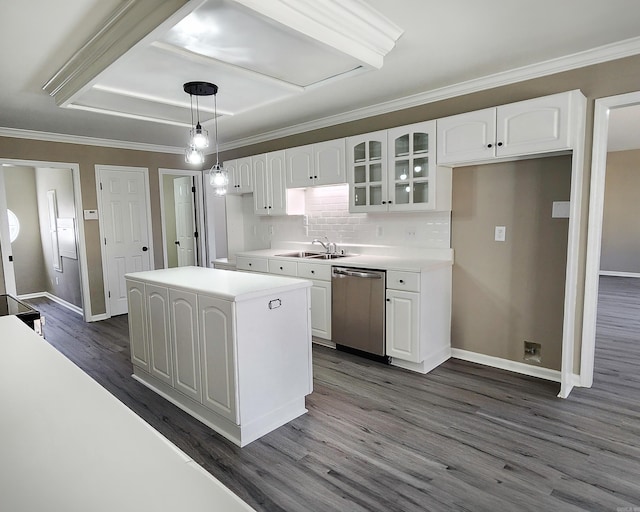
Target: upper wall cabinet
x,y
316,164
529,127
270,196
240,175
394,170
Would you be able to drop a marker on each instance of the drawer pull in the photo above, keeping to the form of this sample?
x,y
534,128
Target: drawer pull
x,y
401,281
275,303
281,268
313,271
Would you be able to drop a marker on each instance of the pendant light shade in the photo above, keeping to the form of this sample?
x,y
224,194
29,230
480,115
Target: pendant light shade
x,y
199,137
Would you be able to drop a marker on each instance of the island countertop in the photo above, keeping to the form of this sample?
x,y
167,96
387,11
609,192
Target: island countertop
x,y
224,284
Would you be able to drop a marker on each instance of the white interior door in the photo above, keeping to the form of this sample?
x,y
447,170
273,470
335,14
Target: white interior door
x,y
124,228
185,221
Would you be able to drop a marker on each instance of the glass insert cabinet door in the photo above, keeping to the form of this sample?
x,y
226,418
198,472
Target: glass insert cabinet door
x,y
368,180
412,167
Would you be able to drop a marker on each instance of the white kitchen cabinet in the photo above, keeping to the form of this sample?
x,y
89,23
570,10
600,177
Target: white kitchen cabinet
x,y
252,263
412,167
139,345
403,325
322,163
270,196
321,309
418,318
185,344
240,173
159,333
283,267
524,128
217,356
395,170
240,343
367,172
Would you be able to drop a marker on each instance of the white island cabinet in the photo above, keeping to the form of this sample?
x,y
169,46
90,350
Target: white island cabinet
x,y
230,348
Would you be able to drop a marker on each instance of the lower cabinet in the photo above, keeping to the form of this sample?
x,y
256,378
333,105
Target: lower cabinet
x,y
418,318
403,325
321,309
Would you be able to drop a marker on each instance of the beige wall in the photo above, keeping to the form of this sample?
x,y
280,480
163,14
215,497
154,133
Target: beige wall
x,y
620,226
170,220
507,292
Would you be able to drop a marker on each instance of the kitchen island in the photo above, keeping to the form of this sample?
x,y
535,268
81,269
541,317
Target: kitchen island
x,y
231,349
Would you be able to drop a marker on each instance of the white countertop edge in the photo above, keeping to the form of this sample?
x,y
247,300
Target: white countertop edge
x,y
224,284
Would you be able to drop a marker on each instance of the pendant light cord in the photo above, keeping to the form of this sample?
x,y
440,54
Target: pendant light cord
x,y
215,120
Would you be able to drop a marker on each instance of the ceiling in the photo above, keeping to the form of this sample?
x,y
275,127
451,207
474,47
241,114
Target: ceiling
x,y
113,69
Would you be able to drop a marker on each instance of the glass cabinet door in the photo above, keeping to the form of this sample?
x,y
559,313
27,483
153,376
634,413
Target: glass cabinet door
x,y
368,176
412,167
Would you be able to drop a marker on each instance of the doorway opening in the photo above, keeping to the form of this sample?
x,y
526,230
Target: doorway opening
x,y
603,111
181,212
41,240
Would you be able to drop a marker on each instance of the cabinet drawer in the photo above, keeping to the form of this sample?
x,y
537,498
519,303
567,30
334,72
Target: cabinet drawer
x,y
409,281
285,268
255,264
314,271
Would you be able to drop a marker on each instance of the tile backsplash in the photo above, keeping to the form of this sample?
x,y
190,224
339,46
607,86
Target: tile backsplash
x,y
327,214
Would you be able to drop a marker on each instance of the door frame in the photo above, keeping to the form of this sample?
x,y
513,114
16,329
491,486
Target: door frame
x,y
199,205
603,106
103,256
80,238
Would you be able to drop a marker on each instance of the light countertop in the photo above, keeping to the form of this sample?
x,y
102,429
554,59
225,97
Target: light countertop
x,y
68,445
233,286
407,263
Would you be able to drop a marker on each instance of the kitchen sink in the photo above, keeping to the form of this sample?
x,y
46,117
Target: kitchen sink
x,y
327,256
314,255
301,254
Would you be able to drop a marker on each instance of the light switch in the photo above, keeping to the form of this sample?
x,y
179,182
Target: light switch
x,y
500,233
560,209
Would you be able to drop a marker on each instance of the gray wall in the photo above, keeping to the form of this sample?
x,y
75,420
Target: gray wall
x,y
621,221
507,292
28,261
66,283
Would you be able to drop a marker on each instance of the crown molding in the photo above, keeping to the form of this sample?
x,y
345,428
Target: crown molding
x,y
87,141
130,23
598,55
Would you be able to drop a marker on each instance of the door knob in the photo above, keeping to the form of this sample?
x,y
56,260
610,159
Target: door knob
x,y
177,242
145,248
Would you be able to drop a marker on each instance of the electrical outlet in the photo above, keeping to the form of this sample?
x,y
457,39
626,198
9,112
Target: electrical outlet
x,y
532,352
500,233
410,233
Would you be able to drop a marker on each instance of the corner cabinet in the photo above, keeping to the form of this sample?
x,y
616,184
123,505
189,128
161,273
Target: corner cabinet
x,y
540,125
395,170
240,362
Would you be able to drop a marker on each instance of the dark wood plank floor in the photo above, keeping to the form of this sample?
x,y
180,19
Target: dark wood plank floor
x,y
377,438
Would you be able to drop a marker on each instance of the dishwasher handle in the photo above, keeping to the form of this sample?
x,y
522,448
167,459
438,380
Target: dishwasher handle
x,y
356,273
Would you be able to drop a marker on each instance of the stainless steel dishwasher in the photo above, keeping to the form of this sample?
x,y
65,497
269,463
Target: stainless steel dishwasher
x,y
358,311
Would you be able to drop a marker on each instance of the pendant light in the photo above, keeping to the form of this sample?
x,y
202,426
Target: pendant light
x,y
199,137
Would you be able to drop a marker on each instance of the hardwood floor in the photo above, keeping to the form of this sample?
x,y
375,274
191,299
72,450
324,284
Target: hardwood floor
x,y
378,438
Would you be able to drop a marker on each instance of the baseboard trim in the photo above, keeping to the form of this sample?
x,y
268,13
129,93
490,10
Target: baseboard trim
x,y
505,364
54,298
614,273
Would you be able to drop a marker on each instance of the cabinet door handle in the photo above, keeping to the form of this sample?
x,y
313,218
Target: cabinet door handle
x,y
265,207
389,202
313,271
401,281
499,143
489,145
281,268
384,202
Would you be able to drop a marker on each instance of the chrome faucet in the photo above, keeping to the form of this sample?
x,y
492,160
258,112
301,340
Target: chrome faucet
x,y
330,247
